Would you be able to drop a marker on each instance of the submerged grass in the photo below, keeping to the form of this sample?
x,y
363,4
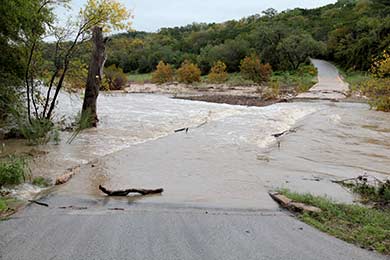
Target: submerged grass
x,y
8,206
366,227
41,182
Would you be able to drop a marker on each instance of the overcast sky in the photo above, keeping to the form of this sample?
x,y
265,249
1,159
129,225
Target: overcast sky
x,y
151,15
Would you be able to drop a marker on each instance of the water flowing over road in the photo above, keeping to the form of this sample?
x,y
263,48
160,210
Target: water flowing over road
x,y
216,179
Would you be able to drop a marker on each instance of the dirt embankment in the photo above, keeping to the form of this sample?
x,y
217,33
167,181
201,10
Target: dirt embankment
x,y
233,95
233,100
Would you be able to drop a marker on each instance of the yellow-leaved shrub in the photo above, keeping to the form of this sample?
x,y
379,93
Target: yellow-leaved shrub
x,y
218,73
164,73
188,73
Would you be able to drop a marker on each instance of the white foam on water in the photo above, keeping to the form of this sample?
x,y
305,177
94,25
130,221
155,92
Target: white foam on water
x,y
129,119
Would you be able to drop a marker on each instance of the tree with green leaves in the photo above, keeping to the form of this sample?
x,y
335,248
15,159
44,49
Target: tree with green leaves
x,y
296,49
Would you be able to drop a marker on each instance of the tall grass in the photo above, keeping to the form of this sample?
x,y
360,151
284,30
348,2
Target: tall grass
x,y
13,171
83,121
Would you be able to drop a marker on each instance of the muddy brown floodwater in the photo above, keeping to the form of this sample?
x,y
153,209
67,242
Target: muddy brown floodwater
x,y
229,157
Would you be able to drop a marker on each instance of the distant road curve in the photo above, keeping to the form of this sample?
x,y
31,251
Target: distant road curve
x,y
330,85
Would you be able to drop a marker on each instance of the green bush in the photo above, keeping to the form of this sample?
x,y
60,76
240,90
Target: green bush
x,y
114,78
76,77
378,90
37,131
10,99
12,171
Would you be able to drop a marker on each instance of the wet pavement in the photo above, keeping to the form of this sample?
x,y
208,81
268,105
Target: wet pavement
x,y
330,85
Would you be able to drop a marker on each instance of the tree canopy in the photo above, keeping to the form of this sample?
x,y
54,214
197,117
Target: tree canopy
x,y
349,32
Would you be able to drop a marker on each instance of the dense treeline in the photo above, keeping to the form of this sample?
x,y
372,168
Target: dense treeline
x,y
349,32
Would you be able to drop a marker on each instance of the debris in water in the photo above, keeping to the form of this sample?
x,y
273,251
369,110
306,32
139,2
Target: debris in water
x,y
73,207
313,179
64,178
263,158
182,129
294,130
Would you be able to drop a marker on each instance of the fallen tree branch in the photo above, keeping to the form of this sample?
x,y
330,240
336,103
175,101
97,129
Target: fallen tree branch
x,y
118,193
277,135
182,129
39,203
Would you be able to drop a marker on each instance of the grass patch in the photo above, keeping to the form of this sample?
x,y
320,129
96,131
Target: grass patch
x,y
140,78
3,205
41,182
355,78
235,79
8,206
376,89
13,171
368,228
301,80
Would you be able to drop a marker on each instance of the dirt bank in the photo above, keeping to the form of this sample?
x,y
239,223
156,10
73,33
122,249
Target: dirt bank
x,y
223,94
233,100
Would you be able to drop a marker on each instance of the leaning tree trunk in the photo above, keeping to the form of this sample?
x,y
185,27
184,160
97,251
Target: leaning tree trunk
x,y
95,75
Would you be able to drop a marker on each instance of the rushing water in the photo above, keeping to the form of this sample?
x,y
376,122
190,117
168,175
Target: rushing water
x,y
228,157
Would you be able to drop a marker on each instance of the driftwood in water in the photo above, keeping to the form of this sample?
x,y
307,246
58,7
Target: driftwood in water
x,y
182,130
64,178
39,203
284,133
118,193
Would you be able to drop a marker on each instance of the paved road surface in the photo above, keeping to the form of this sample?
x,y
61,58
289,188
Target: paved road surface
x,y
164,232
329,86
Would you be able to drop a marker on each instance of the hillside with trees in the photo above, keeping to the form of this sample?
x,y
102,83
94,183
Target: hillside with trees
x,y
350,32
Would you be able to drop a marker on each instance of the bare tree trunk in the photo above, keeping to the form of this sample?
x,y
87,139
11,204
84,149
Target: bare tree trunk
x,y
95,74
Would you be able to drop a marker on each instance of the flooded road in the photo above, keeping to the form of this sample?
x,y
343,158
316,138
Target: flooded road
x,y
216,180
229,157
